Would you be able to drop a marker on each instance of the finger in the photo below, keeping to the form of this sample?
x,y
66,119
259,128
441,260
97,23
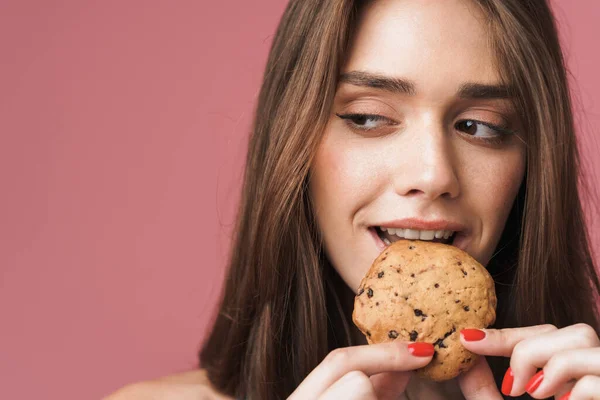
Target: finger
x,y
369,359
353,385
389,385
561,368
530,348
500,342
565,389
587,388
478,382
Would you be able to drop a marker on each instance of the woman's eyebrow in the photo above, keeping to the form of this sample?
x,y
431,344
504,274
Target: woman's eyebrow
x,y
481,91
407,87
388,83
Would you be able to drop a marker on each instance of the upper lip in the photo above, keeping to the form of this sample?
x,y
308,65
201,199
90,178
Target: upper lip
x,y
425,225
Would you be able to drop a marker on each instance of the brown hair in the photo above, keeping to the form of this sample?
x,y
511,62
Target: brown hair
x,y
280,293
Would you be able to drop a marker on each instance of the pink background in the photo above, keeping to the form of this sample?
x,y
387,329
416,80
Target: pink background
x,y
123,128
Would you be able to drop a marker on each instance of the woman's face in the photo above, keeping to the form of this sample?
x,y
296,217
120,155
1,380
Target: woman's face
x,y
419,140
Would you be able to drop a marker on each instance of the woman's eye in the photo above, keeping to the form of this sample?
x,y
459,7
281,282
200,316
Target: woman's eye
x,y
365,122
480,129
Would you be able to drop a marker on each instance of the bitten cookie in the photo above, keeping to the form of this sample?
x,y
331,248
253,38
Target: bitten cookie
x,y
426,292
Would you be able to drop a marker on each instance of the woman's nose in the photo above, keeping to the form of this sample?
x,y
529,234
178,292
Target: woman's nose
x,y
429,169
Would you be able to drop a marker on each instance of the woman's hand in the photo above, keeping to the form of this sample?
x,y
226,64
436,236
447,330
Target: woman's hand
x,y
569,359
378,371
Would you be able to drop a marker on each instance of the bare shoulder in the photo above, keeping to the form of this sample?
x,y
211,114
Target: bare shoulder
x,y
189,385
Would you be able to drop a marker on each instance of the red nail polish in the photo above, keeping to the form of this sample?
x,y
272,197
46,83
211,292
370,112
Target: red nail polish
x,y
421,349
534,382
566,396
472,335
507,382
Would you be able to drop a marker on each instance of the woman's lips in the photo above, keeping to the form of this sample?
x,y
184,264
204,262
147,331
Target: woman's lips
x,y
380,245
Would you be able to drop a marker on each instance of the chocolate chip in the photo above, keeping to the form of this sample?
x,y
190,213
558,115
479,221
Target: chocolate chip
x,y
437,285
464,272
384,258
411,247
413,336
419,313
405,297
466,308
360,291
459,263
450,332
370,292
377,303
398,270
395,293
392,334
412,275
368,334
440,343
380,275
457,301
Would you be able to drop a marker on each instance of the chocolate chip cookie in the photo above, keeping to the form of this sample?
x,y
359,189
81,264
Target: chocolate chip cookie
x,y
422,291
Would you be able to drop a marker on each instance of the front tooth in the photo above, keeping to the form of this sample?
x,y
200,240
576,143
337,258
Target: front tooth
x,y
447,234
411,234
391,231
427,235
383,228
439,234
400,233
386,241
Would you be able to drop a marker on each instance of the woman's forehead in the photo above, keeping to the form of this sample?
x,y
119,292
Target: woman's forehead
x,y
437,45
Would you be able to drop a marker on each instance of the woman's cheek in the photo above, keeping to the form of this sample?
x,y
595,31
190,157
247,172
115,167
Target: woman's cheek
x,y
494,189
346,170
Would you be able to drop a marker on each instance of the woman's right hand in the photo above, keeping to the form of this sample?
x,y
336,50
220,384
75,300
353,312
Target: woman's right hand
x,y
371,372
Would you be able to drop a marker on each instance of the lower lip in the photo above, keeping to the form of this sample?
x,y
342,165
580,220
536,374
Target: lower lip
x,y
460,240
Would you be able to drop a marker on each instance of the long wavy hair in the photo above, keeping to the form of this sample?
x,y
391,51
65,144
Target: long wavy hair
x,y
280,309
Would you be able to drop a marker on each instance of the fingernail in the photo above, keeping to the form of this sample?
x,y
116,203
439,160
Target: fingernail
x,y
472,335
421,349
534,382
566,396
507,382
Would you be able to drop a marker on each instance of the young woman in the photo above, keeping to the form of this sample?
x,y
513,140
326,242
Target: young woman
x,y
448,116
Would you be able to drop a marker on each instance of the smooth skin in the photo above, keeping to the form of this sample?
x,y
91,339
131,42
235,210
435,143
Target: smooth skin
x,y
428,154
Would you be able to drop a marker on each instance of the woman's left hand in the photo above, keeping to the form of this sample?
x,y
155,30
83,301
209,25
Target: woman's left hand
x,y
569,359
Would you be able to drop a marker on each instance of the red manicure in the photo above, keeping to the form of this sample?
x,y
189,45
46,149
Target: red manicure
x,y
472,335
566,396
534,382
421,349
507,382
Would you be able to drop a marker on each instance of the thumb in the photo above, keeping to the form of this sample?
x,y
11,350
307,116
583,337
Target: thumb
x,y
478,383
390,385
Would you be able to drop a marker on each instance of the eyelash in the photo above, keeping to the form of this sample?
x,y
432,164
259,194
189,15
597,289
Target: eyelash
x,y
503,132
